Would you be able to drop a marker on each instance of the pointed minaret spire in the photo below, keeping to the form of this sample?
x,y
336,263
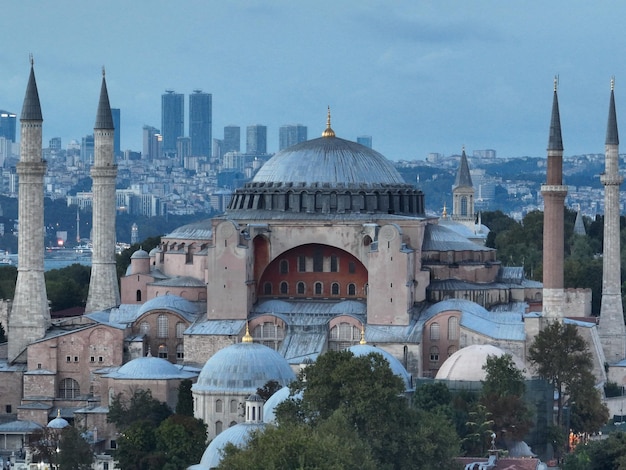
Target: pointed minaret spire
x,y
554,193
611,323
104,291
463,177
31,109
463,195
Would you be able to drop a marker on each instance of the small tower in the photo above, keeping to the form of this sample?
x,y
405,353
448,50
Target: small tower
x,y
463,195
554,193
611,327
104,291
30,316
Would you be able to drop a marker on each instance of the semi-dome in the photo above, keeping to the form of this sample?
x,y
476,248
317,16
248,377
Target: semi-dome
x,y
396,366
329,175
467,363
171,302
243,368
150,368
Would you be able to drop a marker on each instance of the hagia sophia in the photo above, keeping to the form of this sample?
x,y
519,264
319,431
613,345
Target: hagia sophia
x,y
326,248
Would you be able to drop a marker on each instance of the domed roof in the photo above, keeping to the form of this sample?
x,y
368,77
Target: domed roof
x,y
396,366
58,422
171,302
243,368
150,368
329,161
269,408
237,435
467,363
140,254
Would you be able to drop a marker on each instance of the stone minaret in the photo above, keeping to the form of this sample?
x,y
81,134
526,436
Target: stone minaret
x,y
611,327
553,193
30,316
463,195
104,291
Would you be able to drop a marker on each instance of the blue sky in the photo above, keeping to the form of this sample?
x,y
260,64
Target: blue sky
x,y
419,76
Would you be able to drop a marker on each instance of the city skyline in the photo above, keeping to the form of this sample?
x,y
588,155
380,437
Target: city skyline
x,y
418,78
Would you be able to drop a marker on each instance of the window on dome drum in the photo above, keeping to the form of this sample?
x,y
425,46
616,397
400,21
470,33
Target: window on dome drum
x,y
284,266
162,326
267,288
343,336
318,261
144,327
138,295
162,351
180,352
284,288
434,354
180,329
334,263
352,267
219,406
464,205
453,328
233,407
301,287
69,389
434,331
269,334
351,289
218,427
334,288
301,263
318,288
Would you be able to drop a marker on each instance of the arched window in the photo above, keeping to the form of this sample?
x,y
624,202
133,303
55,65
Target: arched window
x,y
434,331
284,288
434,354
162,351
218,427
180,329
464,205
284,266
301,287
351,289
343,336
334,288
162,326
219,406
267,288
269,334
69,389
180,352
319,288
334,263
138,295
144,327
453,328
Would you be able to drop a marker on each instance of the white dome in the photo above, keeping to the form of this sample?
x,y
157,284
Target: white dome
x,y
150,368
467,363
237,435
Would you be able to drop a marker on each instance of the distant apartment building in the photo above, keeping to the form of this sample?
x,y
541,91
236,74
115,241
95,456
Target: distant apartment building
x,y
487,153
87,149
152,143
127,200
291,134
183,148
8,122
172,119
256,139
365,140
200,123
232,140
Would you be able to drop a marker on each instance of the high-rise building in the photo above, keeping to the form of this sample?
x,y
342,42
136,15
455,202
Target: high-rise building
x,y
8,122
365,140
55,143
117,122
152,143
201,123
232,139
183,148
256,139
291,134
86,149
172,119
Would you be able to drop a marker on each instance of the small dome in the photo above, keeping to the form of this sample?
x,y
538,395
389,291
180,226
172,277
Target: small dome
x,y
269,408
243,368
140,254
150,368
237,435
396,366
154,251
467,363
58,422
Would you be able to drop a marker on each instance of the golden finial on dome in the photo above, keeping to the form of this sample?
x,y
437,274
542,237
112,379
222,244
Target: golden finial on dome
x,y
362,335
445,211
328,132
247,338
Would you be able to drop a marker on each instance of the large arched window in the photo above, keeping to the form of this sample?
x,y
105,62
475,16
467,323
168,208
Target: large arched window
x,y
69,389
434,354
334,288
351,289
319,290
464,205
180,329
284,266
301,287
162,326
434,331
219,406
269,334
284,288
342,336
453,328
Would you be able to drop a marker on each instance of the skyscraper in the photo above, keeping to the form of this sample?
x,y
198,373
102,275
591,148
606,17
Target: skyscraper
x,y
291,134
8,122
152,143
172,119
232,139
256,139
103,286
117,122
201,123
30,316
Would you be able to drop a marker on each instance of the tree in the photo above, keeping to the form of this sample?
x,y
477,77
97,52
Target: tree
x,y
141,407
75,453
609,453
181,440
267,390
136,447
184,405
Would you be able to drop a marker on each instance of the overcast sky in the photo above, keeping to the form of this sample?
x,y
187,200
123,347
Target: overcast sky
x,y
418,76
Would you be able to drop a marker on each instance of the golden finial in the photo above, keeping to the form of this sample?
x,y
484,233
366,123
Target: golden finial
x,y
612,82
362,335
247,338
31,59
328,132
445,211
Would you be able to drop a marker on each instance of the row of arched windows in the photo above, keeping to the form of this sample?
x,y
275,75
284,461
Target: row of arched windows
x,y
164,353
318,289
163,327
434,352
453,330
